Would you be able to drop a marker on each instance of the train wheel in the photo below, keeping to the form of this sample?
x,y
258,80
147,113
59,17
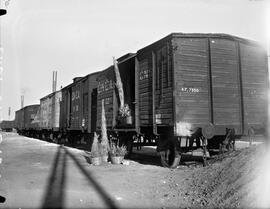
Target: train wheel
x,y
170,157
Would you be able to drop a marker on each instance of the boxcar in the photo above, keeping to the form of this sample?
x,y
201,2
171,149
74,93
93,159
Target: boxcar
x,y
70,107
49,115
77,117
185,86
24,120
209,81
108,92
19,120
7,125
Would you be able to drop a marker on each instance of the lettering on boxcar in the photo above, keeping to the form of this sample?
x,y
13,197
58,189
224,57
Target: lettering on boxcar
x,y
144,74
75,95
72,96
158,118
190,89
108,100
105,85
252,92
100,87
257,94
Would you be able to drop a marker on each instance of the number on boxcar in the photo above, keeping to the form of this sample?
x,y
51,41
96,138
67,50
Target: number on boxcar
x,y
144,74
190,89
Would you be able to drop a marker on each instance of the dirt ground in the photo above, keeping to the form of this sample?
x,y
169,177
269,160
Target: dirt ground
x,y
39,174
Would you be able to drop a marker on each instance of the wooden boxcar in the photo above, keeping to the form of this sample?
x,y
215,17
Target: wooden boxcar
x,y
78,107
208,81
24,120
7,125
49,115
184,86
188,82
19,120
108,92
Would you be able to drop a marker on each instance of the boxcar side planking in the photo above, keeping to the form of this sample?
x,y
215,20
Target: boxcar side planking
x,y
191,81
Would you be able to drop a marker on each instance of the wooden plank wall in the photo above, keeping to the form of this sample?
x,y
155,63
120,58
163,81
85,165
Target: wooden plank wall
x,y
108,105
29,114
19,119
106,91
191,81
85,103
46,113
76,106
225,85
145,90
217,80
56,99
92,84
64,111
255,84
164,91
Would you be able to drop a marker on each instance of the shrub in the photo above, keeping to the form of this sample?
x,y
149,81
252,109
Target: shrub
x,y
95,154
95,150
116,150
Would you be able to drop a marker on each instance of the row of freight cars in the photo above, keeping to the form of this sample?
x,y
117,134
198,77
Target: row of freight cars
x,y
7,125
173,88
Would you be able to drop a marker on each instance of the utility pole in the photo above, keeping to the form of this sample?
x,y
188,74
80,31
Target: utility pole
x,y
22,101
54,81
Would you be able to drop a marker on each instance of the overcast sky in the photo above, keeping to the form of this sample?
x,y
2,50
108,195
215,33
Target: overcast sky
x,y
77,37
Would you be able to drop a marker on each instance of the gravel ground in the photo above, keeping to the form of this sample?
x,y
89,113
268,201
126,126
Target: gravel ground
x,y
236,179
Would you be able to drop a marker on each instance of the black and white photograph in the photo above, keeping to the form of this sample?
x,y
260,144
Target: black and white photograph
x,y
134,104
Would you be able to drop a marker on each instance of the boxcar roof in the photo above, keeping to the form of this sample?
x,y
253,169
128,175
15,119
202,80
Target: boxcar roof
x,y
108,71
28,107
49,95
199,35
126,57
79,80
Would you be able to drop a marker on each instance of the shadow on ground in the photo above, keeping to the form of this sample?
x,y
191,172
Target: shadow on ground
x,y
146,156
55,192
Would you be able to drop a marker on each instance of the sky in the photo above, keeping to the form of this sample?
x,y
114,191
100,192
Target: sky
x,y
77,37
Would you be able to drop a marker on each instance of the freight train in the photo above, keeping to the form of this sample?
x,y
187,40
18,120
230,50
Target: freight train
x,y
7,125
180,89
